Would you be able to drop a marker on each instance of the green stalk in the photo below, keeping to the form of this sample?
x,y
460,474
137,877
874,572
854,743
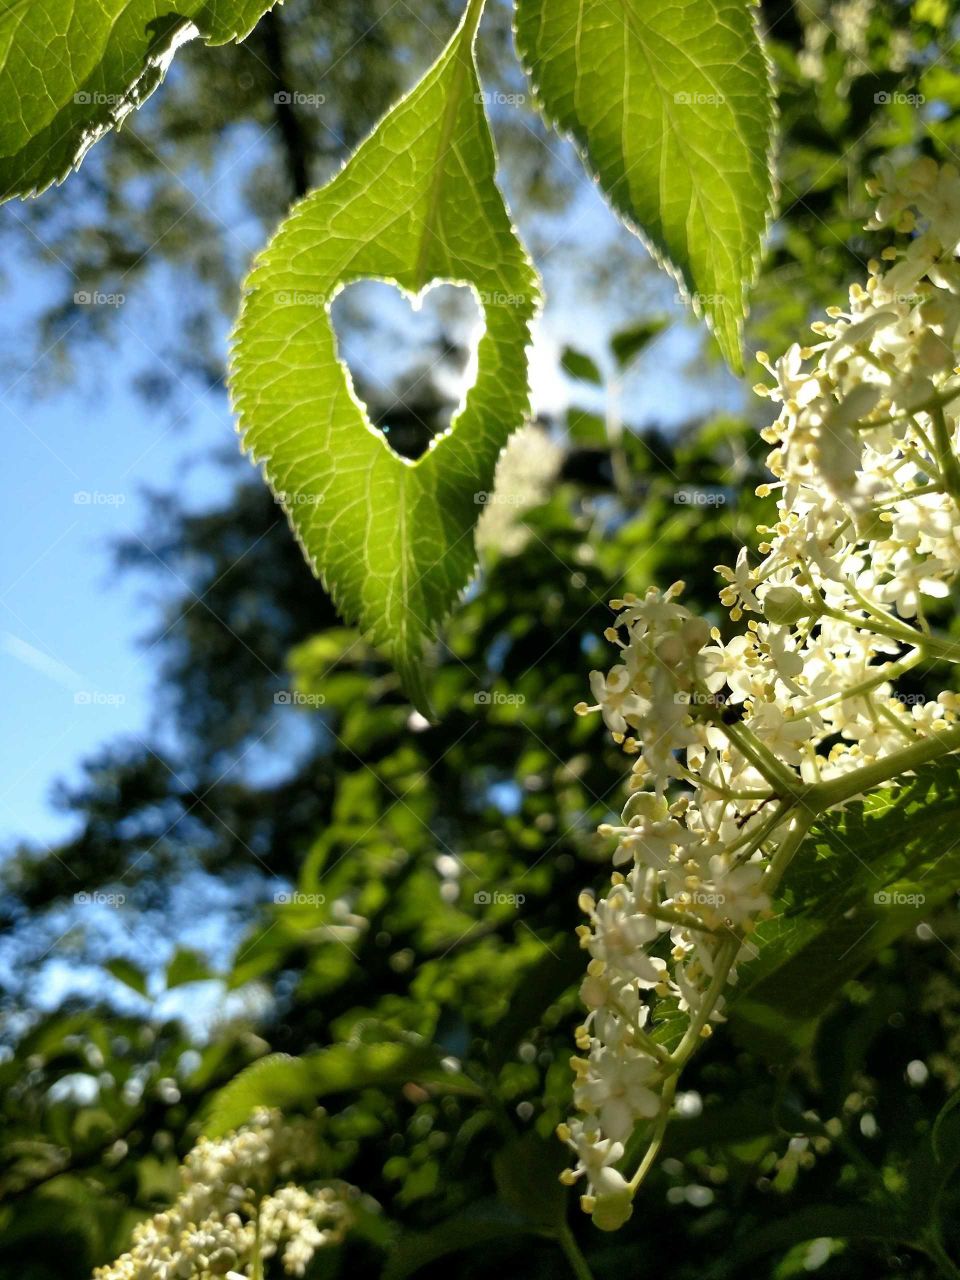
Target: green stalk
x,y
890,671
824,795
932,645
946,458
761,757
656,1142
471,20
571,1250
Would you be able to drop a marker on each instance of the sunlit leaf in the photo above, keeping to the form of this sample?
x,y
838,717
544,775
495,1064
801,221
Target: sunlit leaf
x,y
417,203
70,70
672,109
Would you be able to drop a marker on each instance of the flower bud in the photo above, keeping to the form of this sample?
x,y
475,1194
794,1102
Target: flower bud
x,y
785,606
612,1200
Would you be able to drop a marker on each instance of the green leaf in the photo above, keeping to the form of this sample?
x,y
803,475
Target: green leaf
x,y
580,366
586,430
629,343
945,1121
128,973
672,109
527,1175
485,1223
933,1165
187,966
843,1222
285,1082
417,203
279,1080
72,69
864,876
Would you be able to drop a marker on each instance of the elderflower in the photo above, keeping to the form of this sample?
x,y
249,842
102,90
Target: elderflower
x,y
226,1216
737,745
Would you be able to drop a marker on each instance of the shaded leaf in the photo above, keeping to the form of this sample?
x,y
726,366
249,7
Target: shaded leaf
x,y
485,1223
280,1080
527,1176
863,876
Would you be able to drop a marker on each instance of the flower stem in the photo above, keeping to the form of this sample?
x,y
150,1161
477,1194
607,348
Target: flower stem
x,y
946,458
656,1142
573,1254
824,795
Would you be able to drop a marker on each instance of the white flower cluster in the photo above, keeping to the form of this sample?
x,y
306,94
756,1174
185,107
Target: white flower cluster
x,y
226,1220
740,744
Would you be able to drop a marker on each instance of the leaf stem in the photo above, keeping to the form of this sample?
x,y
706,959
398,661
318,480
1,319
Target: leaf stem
x,y
932,1247
471,20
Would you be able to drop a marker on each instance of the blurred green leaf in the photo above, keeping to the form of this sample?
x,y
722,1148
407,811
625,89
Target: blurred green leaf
x,y
487,1222
581,366
126,971
527,1176
187,966
287,1082
630,342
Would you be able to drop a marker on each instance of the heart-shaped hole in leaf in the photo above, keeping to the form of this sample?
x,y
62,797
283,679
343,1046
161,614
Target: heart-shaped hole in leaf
x,y
411,358
391,538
